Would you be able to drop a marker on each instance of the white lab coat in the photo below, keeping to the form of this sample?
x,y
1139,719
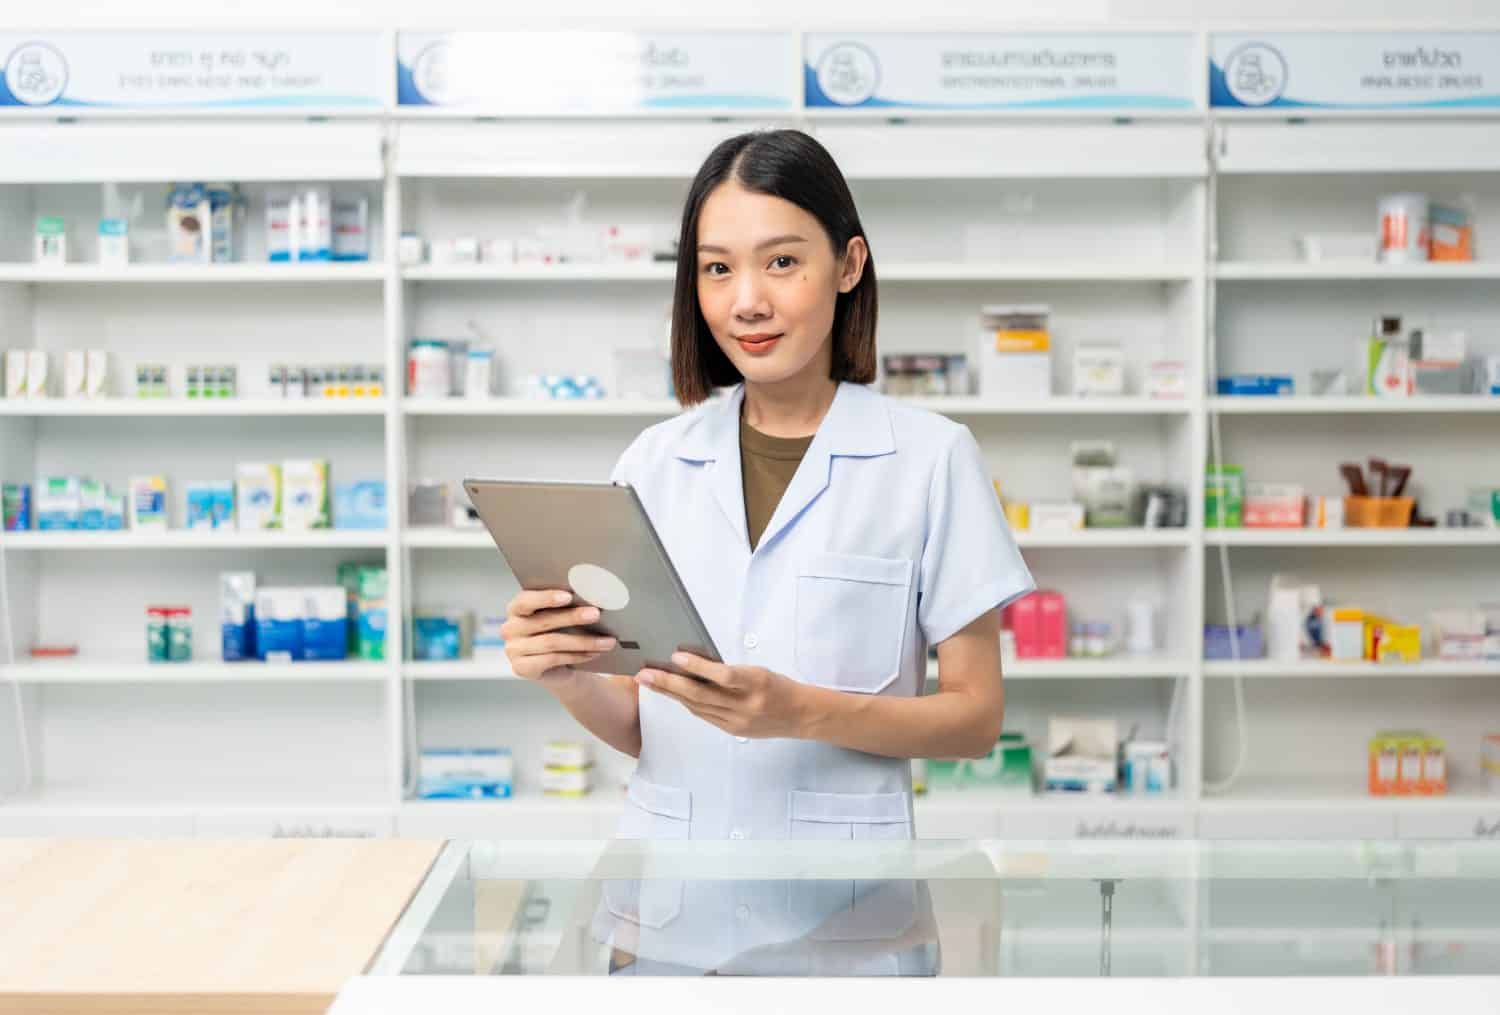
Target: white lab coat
x,y
890,538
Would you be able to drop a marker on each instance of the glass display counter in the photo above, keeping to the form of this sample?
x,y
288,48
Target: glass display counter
x,y
1189,918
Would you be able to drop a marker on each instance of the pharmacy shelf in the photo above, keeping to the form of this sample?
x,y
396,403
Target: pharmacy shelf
x,y
94,671
1352,537
1327,794
985,801
1104,539
1322,668
950,405
1299,271
437,538
1058,405
933,271
1352,404
609,407
190,540
99,801
192,274
119,407
1112,668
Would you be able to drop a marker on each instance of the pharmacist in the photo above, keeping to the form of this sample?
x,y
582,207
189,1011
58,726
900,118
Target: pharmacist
x,y
827,535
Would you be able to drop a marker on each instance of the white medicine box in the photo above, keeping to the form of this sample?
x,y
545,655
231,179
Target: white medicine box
x,y
1015,352
1098,370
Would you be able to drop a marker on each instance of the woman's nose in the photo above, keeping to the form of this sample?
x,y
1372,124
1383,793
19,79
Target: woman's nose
x,y
750,301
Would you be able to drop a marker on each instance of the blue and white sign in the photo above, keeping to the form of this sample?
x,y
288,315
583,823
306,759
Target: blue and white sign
x,y
1356,70
175,71
1124,72
553,73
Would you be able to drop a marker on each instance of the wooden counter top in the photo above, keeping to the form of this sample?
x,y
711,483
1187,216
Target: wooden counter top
x,y
276,925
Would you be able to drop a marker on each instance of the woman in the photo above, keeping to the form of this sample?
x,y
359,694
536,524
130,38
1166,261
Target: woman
x,y
826,534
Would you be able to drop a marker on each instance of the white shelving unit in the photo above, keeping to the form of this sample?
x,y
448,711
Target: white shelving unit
x,y
1170,235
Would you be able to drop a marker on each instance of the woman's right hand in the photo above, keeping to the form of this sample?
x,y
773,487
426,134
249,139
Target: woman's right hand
x,y
534,644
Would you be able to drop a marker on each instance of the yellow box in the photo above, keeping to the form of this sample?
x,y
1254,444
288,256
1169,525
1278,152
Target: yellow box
x,y
1023,341
1019,516
1400,643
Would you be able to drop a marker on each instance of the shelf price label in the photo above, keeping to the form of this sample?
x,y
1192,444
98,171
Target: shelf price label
x,y
1355,71
1109,73
595,73
81,72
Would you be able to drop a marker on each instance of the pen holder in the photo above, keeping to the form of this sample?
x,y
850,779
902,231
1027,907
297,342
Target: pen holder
x,y
1378,512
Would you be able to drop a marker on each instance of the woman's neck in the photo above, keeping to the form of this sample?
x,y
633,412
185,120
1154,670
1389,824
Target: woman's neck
x,y
790,408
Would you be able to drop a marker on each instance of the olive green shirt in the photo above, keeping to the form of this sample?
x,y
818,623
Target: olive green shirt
x,y
768,465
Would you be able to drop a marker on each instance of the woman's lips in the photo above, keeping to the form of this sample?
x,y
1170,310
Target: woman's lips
x,y
759,344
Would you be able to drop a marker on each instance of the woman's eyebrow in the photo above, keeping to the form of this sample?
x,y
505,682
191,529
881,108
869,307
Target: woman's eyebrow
x,y
774,241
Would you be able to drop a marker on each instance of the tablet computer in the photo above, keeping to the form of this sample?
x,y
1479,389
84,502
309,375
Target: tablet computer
x,y
596,541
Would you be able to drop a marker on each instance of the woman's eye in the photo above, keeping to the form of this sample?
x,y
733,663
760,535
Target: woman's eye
x,y
783,261
715,268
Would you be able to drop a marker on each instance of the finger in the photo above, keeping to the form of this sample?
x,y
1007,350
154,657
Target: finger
x,y
536,666
550,620
683,688
543,644
529,601
719,673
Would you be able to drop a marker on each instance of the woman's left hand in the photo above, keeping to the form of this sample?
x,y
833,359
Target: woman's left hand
x,y
746,701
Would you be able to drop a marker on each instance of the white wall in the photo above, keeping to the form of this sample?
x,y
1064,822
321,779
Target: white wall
x,y
932,14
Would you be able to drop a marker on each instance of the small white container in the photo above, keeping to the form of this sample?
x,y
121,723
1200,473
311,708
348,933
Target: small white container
x,y
1404,228
38,379
75,373
479,373
96,382
410,249
428,371
114,242
16,373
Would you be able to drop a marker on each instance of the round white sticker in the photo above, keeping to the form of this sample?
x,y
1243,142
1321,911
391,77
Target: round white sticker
x,y
600,587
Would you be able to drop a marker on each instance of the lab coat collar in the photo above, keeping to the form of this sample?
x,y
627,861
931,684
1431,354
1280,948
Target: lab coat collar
x,y
858,425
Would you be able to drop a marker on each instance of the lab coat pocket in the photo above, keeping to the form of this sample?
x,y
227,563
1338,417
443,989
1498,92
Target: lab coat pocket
x,y
652,811
851,620
825,902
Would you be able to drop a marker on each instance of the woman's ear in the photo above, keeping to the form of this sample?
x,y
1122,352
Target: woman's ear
x,y
852,264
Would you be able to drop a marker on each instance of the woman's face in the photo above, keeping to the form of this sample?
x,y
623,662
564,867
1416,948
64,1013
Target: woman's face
x,y
768,282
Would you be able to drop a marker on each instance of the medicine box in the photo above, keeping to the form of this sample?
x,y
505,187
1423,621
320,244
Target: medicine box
x,y
148,503
1273,506
1007,769
305,495
360,505
567,754
209,506
351,228
1489,763
278,623
75,373
51,240
465,773
59,502
1098,370
237,615
1082,756
489,643
1015,351
566,781
16,373
93,506
370,622
17,506
1263,385
258,495
441,636
1224,490
38,373
325,623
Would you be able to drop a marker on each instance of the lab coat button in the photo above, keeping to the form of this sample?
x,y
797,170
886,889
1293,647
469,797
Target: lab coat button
x,y
736,833
743,912
743,740
751,641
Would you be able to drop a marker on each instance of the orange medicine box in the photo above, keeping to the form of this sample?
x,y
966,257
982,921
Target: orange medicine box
x,y
1385,764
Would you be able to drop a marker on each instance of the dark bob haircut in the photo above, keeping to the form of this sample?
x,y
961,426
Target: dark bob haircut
x,y
794,167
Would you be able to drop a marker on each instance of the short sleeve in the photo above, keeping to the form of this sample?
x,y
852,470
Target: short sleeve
x,y
970,561
624,470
